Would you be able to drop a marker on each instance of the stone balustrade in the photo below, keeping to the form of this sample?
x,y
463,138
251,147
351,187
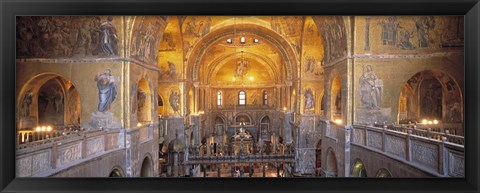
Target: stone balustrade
x,y
49,156
435,155
252,158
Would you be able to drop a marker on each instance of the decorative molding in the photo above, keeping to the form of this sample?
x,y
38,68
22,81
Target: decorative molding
x,y
88,60
403,56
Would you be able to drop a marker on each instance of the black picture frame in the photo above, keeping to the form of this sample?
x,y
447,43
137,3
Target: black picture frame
x,y
9,9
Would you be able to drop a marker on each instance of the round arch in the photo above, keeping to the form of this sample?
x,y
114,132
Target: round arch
x,y
116,172
383,173
284,48
33,108
147,167
331,165
358,169
432,94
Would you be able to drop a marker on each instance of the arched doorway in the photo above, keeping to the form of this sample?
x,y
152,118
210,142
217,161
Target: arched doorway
x,y
147,169
331,166
432,95
46,103
359,169
115,173
383,173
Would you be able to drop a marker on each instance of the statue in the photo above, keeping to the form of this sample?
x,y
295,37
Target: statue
x,y
370,89
27,101
309,101
108,37
107,90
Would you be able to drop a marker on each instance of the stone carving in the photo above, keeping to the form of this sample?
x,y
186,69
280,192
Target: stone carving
x,y
359,136
95,145
425,154
107,90
309,99
27,101
174,100
423,25
374,140
69,154
24,167
370,89
456,165
389,30
395,146
65,36
41,162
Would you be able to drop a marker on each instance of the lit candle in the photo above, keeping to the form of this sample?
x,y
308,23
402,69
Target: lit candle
x,y
43,128
435,121
38,128
429,122
424,121
49,128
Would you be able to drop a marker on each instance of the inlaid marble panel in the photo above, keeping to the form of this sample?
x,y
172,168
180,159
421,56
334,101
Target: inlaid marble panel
x,y
425,154
374,140
69,154
395,145
95,145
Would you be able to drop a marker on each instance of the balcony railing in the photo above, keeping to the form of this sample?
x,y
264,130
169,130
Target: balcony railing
x,y
429,151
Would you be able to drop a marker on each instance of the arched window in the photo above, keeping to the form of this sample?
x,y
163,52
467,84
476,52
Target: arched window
x,y
219,98
242,98
265,97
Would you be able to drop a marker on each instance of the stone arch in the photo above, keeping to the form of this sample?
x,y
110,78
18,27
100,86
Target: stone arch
x,y
383,173
28,109
358,169
285,49
449,98
219,62
116,171
147,167
245,117
331,167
